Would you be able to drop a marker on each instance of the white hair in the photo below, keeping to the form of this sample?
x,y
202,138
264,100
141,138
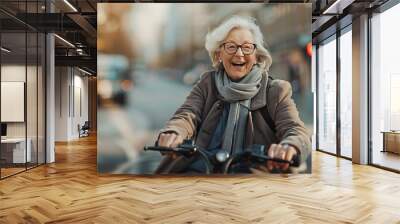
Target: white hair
x,y
215,38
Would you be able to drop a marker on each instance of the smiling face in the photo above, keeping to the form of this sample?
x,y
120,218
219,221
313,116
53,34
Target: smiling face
x,y
238,65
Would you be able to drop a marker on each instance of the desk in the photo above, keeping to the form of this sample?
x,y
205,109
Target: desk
x,y
391,141
15,148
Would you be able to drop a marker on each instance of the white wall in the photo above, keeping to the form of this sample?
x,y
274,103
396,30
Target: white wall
x,y
12,73
71,94
62,81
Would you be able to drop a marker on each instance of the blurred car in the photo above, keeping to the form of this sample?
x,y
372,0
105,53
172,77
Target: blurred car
x,y
115,79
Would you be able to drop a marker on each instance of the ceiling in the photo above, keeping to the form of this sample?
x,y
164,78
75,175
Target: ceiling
x,y
76,22
330,15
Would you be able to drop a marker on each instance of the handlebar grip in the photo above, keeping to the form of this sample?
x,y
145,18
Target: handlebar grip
x,y
296,160
158,148
180,150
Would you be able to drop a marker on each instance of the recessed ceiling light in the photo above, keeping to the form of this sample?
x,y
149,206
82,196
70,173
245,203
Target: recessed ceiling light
x,y
70,5
64,40
5,50
84,71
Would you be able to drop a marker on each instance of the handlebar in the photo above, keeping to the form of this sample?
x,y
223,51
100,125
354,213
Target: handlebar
x,y
257,158
256,154
186,149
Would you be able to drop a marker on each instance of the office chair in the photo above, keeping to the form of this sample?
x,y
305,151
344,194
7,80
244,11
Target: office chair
x,y
84,130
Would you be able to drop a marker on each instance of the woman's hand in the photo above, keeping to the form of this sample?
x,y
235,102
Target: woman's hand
x,y
169,139
285,152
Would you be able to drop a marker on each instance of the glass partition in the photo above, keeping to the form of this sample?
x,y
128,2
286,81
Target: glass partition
x,y
385,89
346,93
327,96
31,97
22,77
31,86
14,153
41,109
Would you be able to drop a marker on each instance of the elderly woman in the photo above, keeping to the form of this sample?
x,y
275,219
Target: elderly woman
x,y
237,105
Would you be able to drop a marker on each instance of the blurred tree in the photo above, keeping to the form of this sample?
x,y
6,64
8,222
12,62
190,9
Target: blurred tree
x,y
112,36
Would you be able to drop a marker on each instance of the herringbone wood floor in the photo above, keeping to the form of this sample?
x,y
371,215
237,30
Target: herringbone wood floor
x,y
71,191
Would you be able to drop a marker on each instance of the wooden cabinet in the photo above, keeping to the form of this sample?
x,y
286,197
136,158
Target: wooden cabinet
x,y
391,142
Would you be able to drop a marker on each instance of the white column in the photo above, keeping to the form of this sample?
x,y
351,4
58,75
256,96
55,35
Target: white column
x,y
360,90
50,98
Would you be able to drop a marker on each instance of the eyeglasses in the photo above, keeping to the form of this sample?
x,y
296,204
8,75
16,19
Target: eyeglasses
x,y
231,48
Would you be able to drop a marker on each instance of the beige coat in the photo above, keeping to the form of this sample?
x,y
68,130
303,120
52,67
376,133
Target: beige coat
x,y
199,115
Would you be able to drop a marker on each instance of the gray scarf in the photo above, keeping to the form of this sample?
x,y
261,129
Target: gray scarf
x,y
238,94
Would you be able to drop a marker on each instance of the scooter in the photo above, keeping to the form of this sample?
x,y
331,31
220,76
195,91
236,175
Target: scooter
x,y
216,161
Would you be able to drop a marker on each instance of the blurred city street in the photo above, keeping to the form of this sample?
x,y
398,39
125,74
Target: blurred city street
x,y
152,101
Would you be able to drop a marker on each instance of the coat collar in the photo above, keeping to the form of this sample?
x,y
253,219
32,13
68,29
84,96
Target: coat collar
x,y
260,99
